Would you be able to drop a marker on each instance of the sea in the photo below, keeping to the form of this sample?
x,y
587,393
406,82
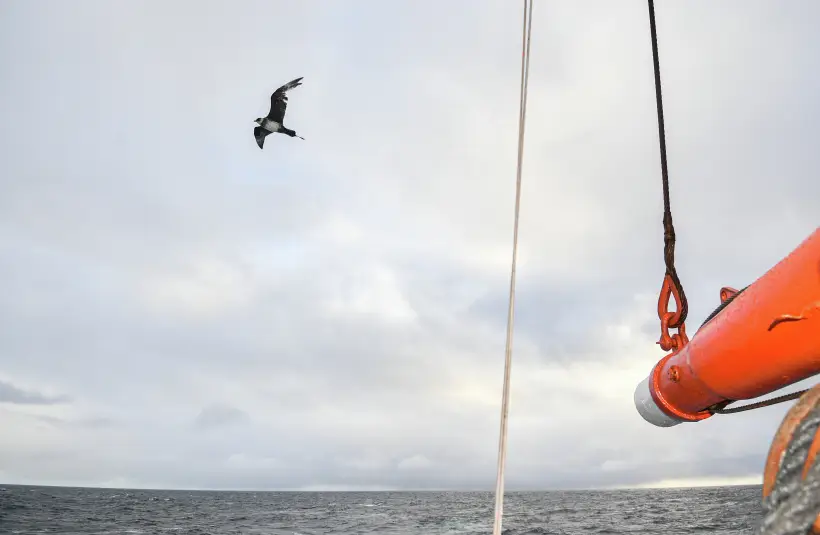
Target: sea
x,y
72,511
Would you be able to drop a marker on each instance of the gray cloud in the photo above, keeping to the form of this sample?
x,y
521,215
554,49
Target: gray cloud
x,y
334,309
11,394
89,422
219,415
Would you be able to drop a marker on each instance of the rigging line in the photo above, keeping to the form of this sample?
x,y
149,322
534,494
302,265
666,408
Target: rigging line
x,y
721,407
668,226
505,400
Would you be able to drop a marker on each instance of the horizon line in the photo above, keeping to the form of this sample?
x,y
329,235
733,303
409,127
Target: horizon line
x,y
351,490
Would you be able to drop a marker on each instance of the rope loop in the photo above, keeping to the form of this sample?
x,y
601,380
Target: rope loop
x,y
671,319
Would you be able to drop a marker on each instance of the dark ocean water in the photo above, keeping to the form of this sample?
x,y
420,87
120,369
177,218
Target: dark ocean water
x,y
718,511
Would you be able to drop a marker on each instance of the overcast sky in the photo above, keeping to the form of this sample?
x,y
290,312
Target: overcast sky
x,y
181,309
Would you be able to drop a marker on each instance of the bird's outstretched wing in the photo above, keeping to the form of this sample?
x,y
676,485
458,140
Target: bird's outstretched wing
x,y
259,133
279,100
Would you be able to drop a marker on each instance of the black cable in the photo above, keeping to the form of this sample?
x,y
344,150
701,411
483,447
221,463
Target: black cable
x,y
668,226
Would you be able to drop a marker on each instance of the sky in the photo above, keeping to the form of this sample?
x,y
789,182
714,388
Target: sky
x,y
183,310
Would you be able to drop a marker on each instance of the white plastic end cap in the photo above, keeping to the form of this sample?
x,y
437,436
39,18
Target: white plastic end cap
x,y
649,410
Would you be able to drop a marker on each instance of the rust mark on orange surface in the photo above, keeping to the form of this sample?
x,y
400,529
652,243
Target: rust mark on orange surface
x,y
807,312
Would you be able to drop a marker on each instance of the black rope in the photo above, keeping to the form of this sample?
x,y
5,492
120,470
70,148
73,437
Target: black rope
x,y
720,408
668,226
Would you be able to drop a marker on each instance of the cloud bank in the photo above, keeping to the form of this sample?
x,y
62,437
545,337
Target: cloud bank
x,y
181,309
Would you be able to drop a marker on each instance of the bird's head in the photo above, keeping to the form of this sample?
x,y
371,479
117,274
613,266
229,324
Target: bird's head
x,y
258,120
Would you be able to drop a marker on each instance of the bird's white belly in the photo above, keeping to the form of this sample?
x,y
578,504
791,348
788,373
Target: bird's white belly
x,y
270,126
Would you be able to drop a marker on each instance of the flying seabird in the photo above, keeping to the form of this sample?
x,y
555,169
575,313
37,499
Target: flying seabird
x,y
273,122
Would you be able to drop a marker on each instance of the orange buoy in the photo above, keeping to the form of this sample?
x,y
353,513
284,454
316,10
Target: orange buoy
x,y
767,338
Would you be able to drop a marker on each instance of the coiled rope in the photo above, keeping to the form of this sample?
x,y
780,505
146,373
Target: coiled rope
x,y
505,396
791,483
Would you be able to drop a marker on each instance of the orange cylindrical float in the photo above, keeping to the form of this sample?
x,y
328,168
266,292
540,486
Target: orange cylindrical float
x,y
767,338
